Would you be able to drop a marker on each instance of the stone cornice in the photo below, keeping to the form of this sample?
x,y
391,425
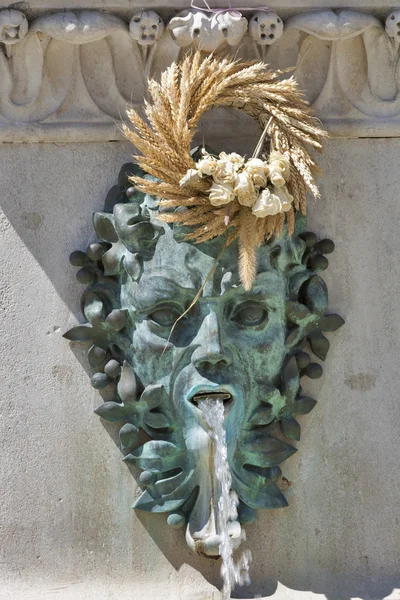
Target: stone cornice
x,y
67,75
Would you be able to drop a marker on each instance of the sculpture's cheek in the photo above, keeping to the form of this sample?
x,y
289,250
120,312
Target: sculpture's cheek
x,y
152,356
261,353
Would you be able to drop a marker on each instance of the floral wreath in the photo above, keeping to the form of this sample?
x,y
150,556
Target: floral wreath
x,y
227,194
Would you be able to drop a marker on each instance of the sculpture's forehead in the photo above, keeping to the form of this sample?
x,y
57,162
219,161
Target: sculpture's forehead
x,y
190,264
177,271
181,286
184,263
159,284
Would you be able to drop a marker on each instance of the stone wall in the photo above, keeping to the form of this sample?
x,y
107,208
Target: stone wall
x,y
66,524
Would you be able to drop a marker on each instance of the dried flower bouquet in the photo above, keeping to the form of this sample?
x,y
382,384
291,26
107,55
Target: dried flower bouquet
x,y
252,198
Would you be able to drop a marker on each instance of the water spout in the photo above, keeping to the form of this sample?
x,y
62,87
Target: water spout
x,y
226,501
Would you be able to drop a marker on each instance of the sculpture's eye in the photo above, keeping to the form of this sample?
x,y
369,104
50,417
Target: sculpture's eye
x,y
165,316
250,315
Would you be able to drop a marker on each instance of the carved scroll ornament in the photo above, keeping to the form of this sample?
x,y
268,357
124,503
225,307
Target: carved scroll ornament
x,y
345,60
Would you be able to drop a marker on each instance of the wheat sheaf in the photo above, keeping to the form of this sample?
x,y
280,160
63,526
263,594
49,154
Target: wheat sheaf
x,y
186,91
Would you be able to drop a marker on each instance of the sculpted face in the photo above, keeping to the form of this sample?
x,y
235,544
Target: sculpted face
x,y
170,324
229,341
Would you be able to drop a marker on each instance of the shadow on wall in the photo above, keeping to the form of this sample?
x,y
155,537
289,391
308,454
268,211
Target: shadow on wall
x,y
49,193
337,537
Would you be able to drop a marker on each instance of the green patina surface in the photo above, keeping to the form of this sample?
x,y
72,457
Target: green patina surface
x,y
140,278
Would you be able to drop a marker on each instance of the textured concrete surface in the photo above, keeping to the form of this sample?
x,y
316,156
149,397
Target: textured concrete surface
x,y
67,530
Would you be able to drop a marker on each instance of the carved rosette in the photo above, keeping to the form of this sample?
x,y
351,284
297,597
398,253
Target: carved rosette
x,y
146,27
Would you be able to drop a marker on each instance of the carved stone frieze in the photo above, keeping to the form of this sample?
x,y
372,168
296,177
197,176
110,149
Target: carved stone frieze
x,y
68,75
207,33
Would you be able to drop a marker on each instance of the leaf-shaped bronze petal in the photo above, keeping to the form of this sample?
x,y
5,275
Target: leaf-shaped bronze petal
x,y
80,333
126,171
155,396
309,237
168,484
127,385
93,307
262,415
319,344
318,262
142,237
297,312
157,420
113,197
291,380
331,322
293,337
303,405
314,294
111,411
148,504
272,394
302,359
96,356
296,282
128,436
112,259
78,258
86,275
314,371
290,428
104,227
246,514
325,246
117,319
133,265
256,490
264,451
156,455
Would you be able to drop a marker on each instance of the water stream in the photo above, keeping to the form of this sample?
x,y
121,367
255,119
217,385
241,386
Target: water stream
x,y
231,535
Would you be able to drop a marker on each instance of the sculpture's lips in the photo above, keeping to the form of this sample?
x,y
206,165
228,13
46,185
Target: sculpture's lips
x,y
216,395
204,389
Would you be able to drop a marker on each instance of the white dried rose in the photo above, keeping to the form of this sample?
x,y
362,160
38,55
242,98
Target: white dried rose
x,y
266,204
284,163
225,172
235,159
258,169
279,169
207,165
244,189
221,193
285,198
192,177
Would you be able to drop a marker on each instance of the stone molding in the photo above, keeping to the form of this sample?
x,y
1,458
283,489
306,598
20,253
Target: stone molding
x,y
67,75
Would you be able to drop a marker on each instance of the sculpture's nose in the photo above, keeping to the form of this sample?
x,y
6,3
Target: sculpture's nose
x,y
210,351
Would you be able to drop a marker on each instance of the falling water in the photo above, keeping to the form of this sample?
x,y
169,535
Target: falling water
x,y
232,573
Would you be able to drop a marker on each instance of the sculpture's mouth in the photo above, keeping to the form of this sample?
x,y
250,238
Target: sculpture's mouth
x,y
223,395
218,395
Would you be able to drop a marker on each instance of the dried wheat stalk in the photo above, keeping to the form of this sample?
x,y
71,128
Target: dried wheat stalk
x,y
186,91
